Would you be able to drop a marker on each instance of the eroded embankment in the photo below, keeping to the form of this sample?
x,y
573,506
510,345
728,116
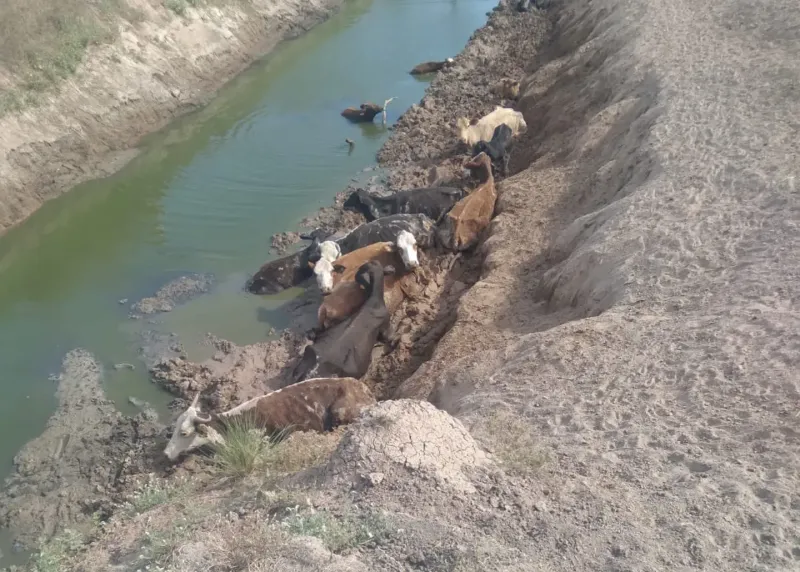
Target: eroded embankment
x,y
638,303
160,66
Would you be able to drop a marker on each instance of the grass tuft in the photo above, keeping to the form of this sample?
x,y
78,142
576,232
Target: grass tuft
x,y
53,555
339,534
153,495
248,449
245,449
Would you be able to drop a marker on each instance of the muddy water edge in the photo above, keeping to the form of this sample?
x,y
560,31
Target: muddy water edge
x,y
202,198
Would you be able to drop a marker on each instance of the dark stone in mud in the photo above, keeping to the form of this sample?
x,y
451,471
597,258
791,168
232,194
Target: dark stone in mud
x,y
88,446
173,293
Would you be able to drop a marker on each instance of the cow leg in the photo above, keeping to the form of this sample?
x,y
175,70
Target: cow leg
x,y
386,335
506,158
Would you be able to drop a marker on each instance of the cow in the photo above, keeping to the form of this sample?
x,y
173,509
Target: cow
x,y
497,148
401,253
506,88
430,67
346,350
319,404
483,129
329,252
347,297
280,274
366,112
433,202
289,270
386,229
463,225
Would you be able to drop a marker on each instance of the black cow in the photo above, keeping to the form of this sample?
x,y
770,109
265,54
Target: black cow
x,y
346,350
496,149
434,202
386,229
290,270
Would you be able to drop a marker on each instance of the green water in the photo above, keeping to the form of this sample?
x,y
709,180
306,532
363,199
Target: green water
x,y
205,195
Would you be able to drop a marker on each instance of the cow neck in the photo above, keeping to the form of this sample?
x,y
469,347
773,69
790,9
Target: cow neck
x,y
375,285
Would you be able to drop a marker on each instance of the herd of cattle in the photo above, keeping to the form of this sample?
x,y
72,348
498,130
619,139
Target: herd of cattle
x,y
362,276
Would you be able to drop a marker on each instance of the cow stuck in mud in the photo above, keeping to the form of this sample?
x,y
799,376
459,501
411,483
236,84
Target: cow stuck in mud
x,y
319,404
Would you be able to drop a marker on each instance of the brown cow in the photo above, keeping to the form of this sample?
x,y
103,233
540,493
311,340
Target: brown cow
x,y
318,404
462,226
349,296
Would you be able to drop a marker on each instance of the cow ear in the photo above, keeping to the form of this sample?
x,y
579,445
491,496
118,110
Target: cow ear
x,y
202,430
311,265
338,268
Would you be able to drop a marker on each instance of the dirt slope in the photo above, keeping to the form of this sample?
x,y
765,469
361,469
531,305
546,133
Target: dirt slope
x,y
159,67
638,306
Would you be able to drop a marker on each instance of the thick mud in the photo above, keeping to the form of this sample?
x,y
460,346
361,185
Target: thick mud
x,y
80,465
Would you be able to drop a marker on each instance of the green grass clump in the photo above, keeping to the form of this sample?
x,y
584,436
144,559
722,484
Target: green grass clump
x,y
339,534
53,555
153,495
246,448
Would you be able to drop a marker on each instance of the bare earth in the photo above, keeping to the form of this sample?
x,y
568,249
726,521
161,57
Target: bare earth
x,y
621,377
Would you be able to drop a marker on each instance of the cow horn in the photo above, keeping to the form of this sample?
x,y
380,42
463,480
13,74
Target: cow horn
x,y
196,398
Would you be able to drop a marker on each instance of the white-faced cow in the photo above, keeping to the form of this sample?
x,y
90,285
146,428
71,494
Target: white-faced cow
x,y
386,229
313,405
322,268
402,254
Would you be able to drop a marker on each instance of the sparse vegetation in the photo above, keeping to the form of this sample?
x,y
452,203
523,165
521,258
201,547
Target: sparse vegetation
x,y
339,534
153,495
512,441
54,553
248,448
244,450
45,41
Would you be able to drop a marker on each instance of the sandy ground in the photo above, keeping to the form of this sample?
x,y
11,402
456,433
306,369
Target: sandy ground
x,y
621,379
157,69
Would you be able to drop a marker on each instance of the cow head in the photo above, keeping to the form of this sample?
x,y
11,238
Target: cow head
x,y
407,246
191,432
323,267
323,273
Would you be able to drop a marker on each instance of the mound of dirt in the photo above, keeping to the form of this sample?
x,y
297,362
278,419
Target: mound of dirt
x,y
406,436
81,460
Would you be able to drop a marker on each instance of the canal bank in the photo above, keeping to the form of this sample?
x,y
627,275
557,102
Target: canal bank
x,y
204,196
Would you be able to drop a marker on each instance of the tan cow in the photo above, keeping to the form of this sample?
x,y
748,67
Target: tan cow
x,y
463,225
318,404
